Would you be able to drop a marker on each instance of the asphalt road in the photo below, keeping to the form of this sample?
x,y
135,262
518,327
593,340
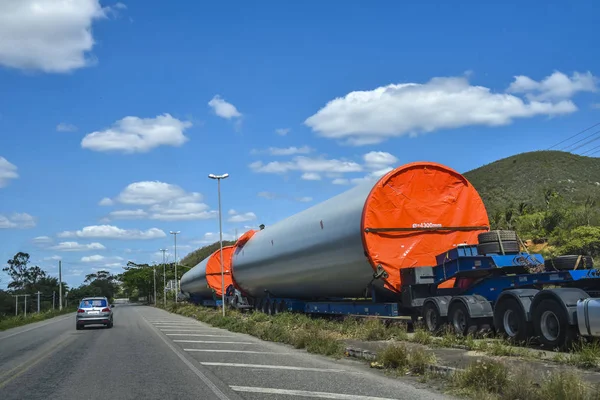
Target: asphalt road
x,y
152,354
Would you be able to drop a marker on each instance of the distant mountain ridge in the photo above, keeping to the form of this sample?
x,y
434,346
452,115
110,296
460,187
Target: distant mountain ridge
x,y
523,178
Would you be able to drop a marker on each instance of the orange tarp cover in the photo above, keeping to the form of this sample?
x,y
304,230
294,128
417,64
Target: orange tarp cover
x,y
417,196
213,269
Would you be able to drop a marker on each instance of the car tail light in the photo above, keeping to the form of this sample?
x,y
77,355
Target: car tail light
x,y
80,311
106,309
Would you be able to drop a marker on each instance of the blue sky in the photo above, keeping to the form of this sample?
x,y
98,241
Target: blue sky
x,y
113,114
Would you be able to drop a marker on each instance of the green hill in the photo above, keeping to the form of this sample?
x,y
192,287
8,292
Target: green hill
x,y
529,178
193,258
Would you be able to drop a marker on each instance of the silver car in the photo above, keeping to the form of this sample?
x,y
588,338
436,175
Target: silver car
x,y
94,311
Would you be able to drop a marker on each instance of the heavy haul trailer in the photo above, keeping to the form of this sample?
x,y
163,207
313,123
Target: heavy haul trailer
x,y
410,245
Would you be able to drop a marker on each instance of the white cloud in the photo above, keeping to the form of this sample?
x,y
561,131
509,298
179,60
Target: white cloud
x,y
17,221
113,265
75,272
379,159
7,171
64,127
369,117
223,109
52,258
74,246
272,196
138,135
128,214
557,86
341,181
42,239
113,232
47,35
106,202
232,212
282,131
94,258
249,216
286,151
311,176
153,192
306,164
165,202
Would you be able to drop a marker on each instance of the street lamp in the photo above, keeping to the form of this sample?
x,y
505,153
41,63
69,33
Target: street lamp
x,y
176,285
154,268
164,278
218,178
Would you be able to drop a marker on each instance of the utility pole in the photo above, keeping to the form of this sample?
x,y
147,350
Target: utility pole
x,y
59,285
176,284
53,296
16,304
218,178
38,304
154,284
164,278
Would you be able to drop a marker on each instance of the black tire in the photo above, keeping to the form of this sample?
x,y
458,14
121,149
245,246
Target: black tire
x,y
489,248
552,325
509,321
78,327
460,320
434,322
568,262
492,236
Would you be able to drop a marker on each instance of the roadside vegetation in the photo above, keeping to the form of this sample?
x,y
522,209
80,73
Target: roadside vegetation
x,y
8,322
489,378
28,280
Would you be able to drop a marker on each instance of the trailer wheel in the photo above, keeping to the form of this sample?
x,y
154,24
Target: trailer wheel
x,y
510,321
433,320
460,319
552,325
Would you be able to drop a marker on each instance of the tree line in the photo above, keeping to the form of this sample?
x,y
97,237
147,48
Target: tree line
x,y
565,227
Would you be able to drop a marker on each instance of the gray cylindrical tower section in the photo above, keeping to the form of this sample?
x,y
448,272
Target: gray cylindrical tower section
x,y
315,253
194,282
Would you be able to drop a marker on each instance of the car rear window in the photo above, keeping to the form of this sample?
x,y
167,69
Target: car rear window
x,y
93,303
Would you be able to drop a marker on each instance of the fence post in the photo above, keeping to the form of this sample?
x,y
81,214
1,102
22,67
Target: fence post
x,y
38,293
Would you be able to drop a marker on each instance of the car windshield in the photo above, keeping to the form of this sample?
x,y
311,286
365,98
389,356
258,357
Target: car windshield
x,y
93,303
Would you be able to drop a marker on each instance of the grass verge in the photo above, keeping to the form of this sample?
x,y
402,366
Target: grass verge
x,y
483,379
20,320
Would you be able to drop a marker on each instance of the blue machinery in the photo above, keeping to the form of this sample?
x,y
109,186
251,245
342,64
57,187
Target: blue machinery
x,y
493,289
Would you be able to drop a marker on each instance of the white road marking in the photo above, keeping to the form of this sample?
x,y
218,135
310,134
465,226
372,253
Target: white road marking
x,y
191,366
35,327
305,393
218,364
209,341
195,334
235,351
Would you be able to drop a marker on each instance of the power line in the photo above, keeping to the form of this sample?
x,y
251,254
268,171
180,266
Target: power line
x,y
592,149
586,143
577,134
581,140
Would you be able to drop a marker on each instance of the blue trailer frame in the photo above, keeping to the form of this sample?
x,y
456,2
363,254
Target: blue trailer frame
x,y
487,289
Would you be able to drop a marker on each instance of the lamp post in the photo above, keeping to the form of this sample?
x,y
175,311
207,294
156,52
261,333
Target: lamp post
x,y
176,285
218,178
154,268
164,279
